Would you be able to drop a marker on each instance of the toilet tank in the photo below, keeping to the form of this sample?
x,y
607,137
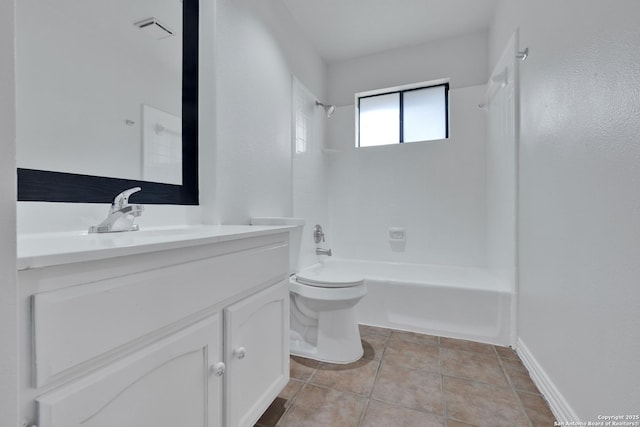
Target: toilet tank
x,y
295,236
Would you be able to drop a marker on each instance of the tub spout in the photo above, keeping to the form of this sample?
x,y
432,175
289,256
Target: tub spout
x,y
321,251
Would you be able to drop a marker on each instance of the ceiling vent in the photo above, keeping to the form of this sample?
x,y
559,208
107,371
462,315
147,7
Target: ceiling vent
x,y
155,28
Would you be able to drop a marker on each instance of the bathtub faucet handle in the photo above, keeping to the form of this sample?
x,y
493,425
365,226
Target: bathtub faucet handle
x,y
318,234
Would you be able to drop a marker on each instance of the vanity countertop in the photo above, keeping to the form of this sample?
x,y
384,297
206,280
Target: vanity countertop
x,y
48,249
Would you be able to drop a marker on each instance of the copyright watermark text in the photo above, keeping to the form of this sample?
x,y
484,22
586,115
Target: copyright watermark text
x,y
604,420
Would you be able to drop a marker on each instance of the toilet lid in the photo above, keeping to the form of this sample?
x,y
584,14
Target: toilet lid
x,y
326,278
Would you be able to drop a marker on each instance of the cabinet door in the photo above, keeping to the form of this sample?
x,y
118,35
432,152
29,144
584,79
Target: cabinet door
x,y
171,383
257,353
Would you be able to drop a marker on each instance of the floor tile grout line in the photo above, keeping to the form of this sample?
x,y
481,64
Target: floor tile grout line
x,y
445,411
513,385
295,396
396,404
479,353
324,387
471,380
460,421
506,374
524,409
530,393
364,413
308,383
509,358
409,368
375,379
514,390
441,372
293,401
382,361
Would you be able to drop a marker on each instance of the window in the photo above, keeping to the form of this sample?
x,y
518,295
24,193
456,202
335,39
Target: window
x,y
406,115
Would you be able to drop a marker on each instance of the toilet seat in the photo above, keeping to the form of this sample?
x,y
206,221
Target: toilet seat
x,y
323,284
319,277
346,293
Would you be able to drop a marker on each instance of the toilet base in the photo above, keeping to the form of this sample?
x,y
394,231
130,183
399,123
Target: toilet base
x,y
337,337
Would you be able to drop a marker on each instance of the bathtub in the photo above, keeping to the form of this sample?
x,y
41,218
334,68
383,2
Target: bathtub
x,y
456,302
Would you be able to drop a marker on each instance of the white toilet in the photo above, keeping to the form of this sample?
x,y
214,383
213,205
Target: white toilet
x,y
323,320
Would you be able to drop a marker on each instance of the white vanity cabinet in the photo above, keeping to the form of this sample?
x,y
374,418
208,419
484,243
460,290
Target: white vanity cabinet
x,y
182,337
257,353
166,384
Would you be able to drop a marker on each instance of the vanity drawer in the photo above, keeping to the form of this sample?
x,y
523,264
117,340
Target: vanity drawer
x,y
82,324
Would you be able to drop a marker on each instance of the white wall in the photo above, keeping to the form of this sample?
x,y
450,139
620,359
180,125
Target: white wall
x,y
435,190
8,287
579,199
255,63
463,59
253,118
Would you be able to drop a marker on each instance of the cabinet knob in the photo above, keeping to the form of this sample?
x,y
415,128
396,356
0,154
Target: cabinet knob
x,y
240,352
218,369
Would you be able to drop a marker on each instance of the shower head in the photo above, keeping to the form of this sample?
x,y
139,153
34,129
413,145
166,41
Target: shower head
x,y
328,109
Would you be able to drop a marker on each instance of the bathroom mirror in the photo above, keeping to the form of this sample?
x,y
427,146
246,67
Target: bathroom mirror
x,y
107,99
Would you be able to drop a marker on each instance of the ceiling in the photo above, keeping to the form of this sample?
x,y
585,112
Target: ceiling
x,y
345,29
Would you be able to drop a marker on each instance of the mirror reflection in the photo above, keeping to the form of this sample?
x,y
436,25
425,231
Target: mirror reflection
x,y
99,88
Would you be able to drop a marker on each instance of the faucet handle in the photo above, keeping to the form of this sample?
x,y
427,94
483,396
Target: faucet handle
x,y
122,199
318,234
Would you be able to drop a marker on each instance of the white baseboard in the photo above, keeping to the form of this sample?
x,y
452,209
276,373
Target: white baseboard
x,y
558,404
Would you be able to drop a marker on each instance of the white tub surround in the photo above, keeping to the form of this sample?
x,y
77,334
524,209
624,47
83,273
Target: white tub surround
x,y
107,320
456,302
410,186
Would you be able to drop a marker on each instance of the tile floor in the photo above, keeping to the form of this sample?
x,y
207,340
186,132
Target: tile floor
x,y
407,379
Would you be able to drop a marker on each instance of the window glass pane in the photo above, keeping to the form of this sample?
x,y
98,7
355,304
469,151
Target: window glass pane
x,y
424,114
380,120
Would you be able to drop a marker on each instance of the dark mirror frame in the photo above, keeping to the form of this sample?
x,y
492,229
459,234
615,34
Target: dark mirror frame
x,y
48,186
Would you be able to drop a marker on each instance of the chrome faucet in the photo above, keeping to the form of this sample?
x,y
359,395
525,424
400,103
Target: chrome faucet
x,y
121,214
321,251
